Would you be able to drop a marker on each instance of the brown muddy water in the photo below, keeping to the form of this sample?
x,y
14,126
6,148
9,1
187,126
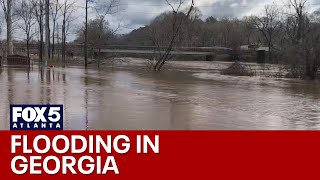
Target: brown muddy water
x,y
193,96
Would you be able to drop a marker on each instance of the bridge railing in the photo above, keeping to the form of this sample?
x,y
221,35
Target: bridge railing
x,y
129,47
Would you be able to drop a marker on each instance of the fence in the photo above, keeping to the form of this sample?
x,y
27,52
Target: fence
x,y
18,60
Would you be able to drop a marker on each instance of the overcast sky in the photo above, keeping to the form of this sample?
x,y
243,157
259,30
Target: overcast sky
x,y
137,13
132,14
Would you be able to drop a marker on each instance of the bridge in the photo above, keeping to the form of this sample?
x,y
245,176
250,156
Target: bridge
x,y
196,53
125,51
183,53
132,49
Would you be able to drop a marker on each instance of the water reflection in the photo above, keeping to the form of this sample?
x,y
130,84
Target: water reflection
x,y
122,99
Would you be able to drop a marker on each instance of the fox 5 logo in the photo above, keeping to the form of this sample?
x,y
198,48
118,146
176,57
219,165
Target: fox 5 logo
x,y
36,117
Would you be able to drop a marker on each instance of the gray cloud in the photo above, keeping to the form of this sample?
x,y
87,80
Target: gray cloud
x,y
136,13
141,12
230,8
133,14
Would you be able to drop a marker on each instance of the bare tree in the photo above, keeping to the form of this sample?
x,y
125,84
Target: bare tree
x,y
177,23
67,9
299,16
1,50
269,26
54,9
94,35
303,41
249,28
7,9
86,34
38,11
25,11
86,37
104,8
224,29
47,34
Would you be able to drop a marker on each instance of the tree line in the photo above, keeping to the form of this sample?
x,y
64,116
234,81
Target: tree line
x,y
48,23
290,33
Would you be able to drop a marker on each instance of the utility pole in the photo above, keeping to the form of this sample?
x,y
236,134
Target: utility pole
x,y
47,37
41,31
86,38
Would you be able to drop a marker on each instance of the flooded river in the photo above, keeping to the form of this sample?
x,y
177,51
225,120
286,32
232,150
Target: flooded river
x,y
173,99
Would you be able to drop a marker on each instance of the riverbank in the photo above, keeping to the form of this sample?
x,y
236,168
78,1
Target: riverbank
x,y
218,67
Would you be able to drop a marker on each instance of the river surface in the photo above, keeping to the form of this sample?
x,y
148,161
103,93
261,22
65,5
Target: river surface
x,y
173,99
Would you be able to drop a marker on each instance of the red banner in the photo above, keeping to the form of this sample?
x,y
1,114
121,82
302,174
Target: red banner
x,y
160,154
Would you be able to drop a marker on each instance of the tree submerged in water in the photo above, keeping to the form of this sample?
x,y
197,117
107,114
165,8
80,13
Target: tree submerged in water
x,y
177,19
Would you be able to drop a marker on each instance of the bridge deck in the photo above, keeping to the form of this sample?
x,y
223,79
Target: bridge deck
x,y
151,52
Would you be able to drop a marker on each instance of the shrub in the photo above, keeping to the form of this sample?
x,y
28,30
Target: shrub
x,y
238,69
